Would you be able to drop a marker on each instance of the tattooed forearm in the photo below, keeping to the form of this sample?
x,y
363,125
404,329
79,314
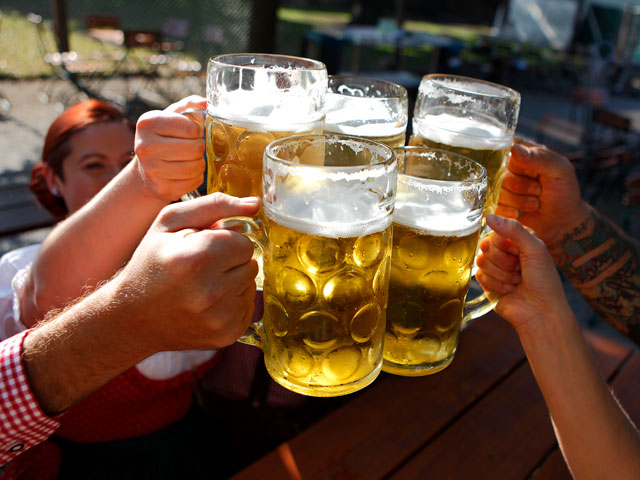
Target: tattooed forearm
x,y
602,262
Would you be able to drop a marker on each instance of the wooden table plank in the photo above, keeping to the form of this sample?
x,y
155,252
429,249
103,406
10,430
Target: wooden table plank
x,y
507,433
366,438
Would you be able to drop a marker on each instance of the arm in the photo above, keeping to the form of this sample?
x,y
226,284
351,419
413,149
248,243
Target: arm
x,y
595,435
97,240
541,190
186,287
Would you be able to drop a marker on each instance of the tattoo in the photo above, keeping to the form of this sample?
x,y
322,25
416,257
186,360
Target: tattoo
x,y
603,263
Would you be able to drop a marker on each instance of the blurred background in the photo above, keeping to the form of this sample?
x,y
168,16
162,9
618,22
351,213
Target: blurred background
x,y
575,62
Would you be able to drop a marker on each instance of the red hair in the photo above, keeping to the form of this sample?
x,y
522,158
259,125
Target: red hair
x,y
56,147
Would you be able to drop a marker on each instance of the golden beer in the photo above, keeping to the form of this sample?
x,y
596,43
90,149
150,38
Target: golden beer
x,y
235,150
480,139
324,306
430,274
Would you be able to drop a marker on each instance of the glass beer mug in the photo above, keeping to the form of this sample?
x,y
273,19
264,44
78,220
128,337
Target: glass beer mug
x,y
252,100
367,107
436,227
326,246
472,117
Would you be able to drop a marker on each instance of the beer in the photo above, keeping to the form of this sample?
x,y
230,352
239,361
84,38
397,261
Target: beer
x,y
436,227
430,273
325,292
367,107
235,149
479,138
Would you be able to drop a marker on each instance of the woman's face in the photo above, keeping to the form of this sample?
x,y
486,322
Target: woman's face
x,y
98,153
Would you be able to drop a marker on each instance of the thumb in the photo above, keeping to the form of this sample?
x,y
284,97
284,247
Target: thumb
x,y
202,212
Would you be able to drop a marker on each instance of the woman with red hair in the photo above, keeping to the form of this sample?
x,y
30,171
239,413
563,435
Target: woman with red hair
x,y
107,182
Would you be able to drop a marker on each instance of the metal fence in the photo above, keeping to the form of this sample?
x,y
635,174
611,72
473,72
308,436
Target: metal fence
x,y
204,28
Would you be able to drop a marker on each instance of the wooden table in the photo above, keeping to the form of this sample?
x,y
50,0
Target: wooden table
x,y
482,417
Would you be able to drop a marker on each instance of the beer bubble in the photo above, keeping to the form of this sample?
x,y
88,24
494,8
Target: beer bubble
x,y
368,250
277,317
320,254
414,252
295,288
405,317
219,140
345,289
318,330
250,148
299,361
365,322
449,315
341,363
234,180
458,255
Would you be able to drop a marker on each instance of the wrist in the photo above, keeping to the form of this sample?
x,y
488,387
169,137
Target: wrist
x,y
577,225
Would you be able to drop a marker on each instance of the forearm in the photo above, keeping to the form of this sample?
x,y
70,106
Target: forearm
x,y
90,245
602,262
596,437
78,351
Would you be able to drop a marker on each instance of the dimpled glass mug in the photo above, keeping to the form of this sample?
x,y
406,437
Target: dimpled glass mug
x,y
472,117
252,100
436,227
326,248
367,107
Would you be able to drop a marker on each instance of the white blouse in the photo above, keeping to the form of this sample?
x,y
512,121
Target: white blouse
x,y
14,267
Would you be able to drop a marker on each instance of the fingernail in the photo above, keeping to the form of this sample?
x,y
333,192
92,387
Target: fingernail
x,y
521,149
495,219
249,200
531,204
509,288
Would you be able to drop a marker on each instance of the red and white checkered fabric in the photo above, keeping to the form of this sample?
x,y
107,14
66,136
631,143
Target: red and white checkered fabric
x,y
23,424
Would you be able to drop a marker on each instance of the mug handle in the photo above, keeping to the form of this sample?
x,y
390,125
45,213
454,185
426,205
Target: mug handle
x,y
198,115
254,230
483,303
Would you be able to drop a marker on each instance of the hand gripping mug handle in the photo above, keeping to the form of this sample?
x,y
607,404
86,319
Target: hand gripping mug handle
x,y
254,230
480,305
198,115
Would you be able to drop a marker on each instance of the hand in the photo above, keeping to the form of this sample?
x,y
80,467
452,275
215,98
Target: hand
x,y
187,286
169,150
516,264
541,190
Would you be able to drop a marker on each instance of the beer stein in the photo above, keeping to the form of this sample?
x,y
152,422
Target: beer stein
x,y
367,107
436,227
326,245
253,99
472,117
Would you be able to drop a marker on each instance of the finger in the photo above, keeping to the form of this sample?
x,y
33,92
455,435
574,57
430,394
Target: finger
x,y
493,265
524,203
176,169
492,284
168,124
503,244
507,211
532,161
226,250
172,149
192,101
521,184
202,212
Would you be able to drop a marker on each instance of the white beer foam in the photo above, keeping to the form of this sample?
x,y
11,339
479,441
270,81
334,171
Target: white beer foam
x,y
284,112
461,132
363,116
328,208
441,211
